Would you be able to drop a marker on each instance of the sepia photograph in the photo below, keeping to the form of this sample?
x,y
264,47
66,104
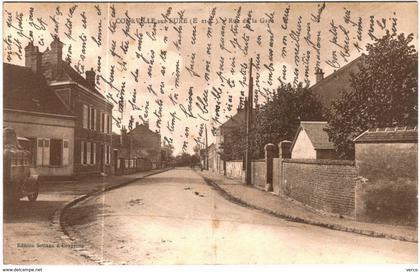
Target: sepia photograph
x,y
210,133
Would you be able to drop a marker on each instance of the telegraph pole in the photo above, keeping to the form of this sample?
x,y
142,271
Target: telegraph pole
x,y
249,106
207,151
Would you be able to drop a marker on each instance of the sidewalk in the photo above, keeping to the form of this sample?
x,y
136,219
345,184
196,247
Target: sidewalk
x,y
237,192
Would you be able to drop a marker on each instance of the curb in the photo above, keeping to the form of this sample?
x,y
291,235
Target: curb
x,y
297,219
58,217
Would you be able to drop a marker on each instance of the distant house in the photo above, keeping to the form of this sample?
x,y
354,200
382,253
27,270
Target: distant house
x,y
329,88
138,145
33,110
80,98
213,157
312,142
387,153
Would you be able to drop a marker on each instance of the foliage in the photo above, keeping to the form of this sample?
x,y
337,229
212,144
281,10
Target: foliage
x,y
186,159
279,118
275,121
383,93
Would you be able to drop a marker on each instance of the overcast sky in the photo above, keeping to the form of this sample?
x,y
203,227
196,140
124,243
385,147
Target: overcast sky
x,y
277,36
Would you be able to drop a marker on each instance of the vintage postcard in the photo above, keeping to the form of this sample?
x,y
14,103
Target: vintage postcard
x,y
210,133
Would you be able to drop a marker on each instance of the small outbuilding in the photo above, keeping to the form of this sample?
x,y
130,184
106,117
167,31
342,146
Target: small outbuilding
x,y
312,142
387,153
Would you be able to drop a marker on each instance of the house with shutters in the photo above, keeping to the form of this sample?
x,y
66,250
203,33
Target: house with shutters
x,y
34,112
70,94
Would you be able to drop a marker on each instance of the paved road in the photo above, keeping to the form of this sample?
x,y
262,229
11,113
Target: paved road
x,y
176,218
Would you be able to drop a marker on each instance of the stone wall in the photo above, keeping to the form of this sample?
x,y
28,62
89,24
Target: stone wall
x,y
258,173
327,185
234,169
387,191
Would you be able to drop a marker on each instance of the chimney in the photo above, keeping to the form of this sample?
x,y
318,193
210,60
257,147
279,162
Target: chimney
x,y
57,49
137,124
90,77
52,60
33,57
123,136
146,124
319,75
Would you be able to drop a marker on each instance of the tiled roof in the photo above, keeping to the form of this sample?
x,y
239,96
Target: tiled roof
x,y
239,119
317,134
389,134
25,90
76,77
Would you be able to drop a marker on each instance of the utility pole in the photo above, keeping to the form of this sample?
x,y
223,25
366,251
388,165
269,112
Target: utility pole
x,y
207,151
249,106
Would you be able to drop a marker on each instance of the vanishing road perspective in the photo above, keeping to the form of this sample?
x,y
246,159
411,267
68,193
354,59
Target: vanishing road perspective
x,y
175,217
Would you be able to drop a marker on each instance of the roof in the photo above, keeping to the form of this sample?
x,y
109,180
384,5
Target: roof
x,y
238,119
329,88
143,128
388,135
25,90
76,77
316,133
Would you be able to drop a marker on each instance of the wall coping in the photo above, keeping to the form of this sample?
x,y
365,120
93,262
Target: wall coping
x,y
260,160
320,162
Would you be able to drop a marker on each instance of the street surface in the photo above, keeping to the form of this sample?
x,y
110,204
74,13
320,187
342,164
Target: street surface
x,y
31,236
176,218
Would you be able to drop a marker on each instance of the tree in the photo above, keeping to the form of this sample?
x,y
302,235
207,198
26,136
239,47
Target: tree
x,y
279,118
383,93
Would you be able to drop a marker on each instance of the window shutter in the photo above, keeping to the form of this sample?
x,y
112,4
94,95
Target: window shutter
x,y
89,117
95,115
82,150
85,116
65,152
94,153
46,152
88,153
105,123
109,124
40,145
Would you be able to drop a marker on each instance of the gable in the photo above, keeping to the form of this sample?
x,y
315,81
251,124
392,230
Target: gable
x,y
302,147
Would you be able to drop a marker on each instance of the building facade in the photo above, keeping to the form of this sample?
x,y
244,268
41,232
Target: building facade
x,y
33,110
312,142
78,94
137,150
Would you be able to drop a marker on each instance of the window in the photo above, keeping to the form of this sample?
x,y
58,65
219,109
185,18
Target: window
x,y
84,152
94,153
95,117
92,118
56,154
50,152
107,154
85,116
88,158
108,124
102,122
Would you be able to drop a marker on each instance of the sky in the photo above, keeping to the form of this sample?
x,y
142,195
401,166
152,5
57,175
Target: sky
x,y
184,67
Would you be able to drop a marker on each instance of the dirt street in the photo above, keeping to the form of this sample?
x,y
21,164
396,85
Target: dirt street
x,y
176,218
31,231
